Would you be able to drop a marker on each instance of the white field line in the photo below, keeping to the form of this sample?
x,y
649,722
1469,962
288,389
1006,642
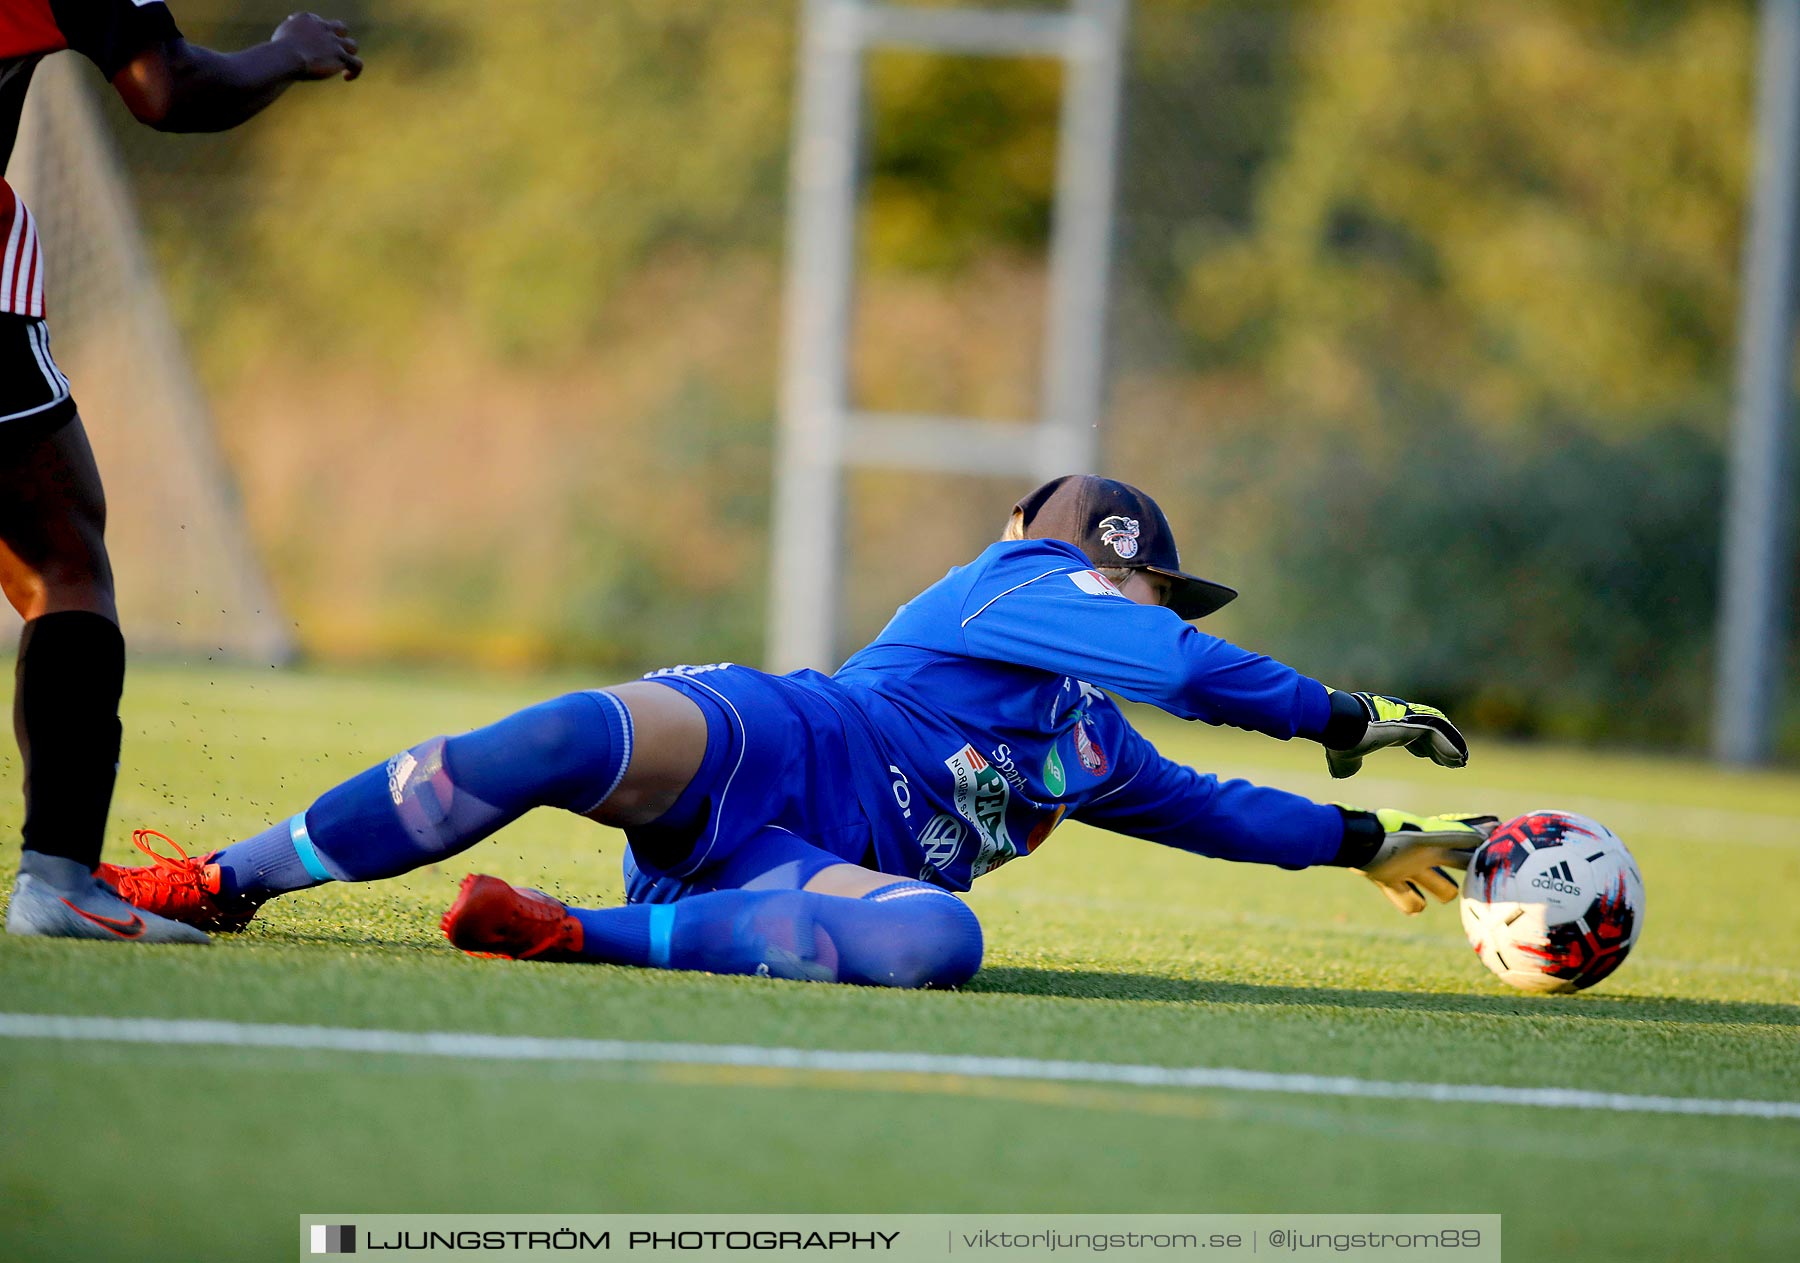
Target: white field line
x,y
479,1047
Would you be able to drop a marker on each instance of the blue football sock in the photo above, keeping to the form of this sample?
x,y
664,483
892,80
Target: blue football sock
x,y
441,797
907,934
280,858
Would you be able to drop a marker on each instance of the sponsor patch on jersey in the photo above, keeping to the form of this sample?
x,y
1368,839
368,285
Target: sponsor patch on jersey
x,y
941,839
1094,583
981,796
1121,535
1054,780
1093,758
1002,759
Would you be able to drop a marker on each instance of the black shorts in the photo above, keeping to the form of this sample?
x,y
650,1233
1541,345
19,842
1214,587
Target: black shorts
x,y
34,395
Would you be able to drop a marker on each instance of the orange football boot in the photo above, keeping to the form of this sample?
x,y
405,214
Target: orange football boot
x,y
491,918
179,887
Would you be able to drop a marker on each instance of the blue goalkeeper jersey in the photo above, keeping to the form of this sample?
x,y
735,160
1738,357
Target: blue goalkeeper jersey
x,y
981,712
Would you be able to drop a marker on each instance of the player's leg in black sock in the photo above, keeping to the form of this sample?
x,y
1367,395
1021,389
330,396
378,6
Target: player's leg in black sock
x,y
71,665
70,673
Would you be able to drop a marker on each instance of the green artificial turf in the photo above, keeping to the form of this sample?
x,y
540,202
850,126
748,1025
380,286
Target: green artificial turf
x,y
1099,948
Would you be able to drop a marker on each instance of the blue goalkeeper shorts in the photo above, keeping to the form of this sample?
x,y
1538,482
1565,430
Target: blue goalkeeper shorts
x,y
774,801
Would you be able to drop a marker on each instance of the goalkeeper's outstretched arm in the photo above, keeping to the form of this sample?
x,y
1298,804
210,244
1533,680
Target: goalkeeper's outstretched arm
x,y
1408,857
1072,622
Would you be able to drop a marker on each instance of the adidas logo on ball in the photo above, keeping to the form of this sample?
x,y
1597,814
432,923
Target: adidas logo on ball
x,y
1558,878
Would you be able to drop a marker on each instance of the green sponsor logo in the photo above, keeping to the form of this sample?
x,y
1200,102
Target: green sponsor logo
x,y
981,796
1054,780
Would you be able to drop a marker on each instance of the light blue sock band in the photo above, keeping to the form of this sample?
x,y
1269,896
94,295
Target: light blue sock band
x,y
662,926
303,847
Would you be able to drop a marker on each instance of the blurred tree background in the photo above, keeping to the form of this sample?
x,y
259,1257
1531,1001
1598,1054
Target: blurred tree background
x,y
1422,333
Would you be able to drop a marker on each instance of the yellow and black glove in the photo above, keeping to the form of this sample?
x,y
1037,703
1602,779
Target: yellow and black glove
x,y
1406,855
1365,722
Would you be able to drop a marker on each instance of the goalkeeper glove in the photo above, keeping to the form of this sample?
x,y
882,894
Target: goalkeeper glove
x,y
1406,855
1388,721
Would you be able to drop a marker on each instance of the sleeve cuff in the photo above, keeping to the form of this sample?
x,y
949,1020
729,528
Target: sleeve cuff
x,y
1347,724
1315,710
1363,836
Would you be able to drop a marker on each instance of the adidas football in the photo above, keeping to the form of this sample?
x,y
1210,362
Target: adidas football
x,y
1553,902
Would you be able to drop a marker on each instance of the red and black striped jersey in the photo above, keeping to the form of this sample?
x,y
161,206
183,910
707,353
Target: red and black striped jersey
x,y
108,33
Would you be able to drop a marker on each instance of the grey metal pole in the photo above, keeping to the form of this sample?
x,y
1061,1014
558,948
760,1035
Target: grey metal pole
x,y
1759,497
805,539
1074,378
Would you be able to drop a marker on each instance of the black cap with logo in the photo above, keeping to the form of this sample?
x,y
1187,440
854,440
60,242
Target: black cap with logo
x,y
1115,524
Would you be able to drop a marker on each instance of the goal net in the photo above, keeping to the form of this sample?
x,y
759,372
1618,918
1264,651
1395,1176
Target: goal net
x,y
189,580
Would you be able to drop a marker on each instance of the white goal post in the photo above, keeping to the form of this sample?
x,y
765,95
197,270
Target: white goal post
x,y
821,434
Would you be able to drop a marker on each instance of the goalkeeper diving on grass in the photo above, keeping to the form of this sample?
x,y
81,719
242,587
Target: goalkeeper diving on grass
x,y
820,827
